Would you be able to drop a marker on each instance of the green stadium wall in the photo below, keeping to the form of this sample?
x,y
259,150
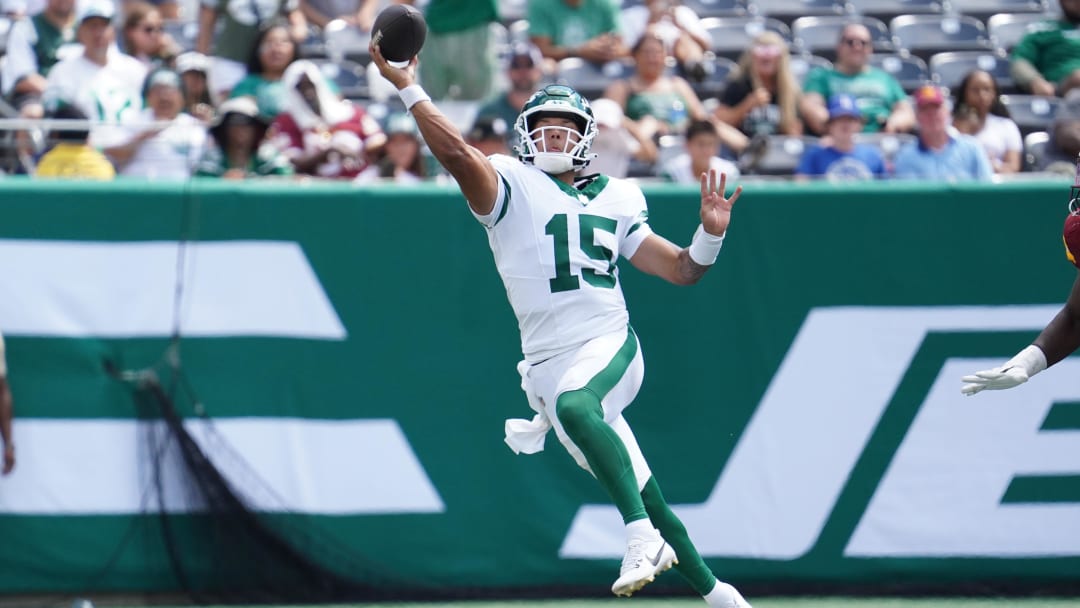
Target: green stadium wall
x,y
801,406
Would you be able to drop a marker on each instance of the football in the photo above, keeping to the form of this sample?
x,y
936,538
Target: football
x,y
399,32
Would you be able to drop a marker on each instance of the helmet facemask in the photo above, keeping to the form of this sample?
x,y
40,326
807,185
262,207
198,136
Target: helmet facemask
x,y
556,149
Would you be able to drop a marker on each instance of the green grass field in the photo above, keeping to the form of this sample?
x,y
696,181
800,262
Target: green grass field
x,y
787,602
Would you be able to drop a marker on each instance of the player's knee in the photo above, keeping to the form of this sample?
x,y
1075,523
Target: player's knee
x,y
576,409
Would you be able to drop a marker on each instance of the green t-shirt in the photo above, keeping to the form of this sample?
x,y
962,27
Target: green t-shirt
x,y
875,90
446,16
269,95
266,161
49,41
570,27
668,107
1053,47
241,20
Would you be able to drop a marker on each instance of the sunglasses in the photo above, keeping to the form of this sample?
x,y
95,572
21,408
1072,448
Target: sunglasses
x,y
152,29
856,42
766,50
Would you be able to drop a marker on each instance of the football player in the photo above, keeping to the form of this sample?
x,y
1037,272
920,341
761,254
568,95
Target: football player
x,y
556,238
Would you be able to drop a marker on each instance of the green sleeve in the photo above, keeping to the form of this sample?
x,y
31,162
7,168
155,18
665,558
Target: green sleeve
x,y
539,22
817,81
611,17
1028,48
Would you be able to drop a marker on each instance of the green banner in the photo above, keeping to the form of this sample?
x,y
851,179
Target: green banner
x,y
350,360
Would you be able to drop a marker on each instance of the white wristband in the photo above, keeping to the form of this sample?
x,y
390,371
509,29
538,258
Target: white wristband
x,y
1031,359
704,247
412,95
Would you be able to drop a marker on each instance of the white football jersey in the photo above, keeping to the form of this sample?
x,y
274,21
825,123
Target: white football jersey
x,y
556,246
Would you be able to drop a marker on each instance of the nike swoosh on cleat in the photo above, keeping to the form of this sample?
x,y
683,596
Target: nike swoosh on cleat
x,y
655,560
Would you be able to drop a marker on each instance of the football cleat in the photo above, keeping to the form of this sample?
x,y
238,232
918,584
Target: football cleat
x,y
727,596
644,559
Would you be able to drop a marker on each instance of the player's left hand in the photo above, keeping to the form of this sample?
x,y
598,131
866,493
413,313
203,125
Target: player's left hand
x,y
715,207
994,379
399,77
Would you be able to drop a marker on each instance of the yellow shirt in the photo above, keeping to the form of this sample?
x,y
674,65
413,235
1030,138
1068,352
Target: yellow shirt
x,y
75,161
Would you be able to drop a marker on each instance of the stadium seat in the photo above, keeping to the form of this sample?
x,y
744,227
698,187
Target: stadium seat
x,y
733,35
801,65
788,10
983,9
341,41
1036,157
350,77
925,35
886,143
781,156
948,69
588,78
910,71
1031,112
1006,29
888,9
717,8
716,78
818,35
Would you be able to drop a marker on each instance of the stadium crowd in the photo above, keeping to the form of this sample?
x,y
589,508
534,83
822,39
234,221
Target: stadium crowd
x,y
837,89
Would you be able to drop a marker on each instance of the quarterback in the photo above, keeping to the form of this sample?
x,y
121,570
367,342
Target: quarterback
x,y
556,236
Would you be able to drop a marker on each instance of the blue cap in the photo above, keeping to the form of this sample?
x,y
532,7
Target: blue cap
x,y
843,104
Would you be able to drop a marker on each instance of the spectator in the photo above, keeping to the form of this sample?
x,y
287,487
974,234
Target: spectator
x,y
458,58
660,103
7,412
488,134
273,53
359,14
618,141
1063,147
104,83
238,148
245,23
168,9
998,134
34,45
702,154
882,100
524,73
144,36
576,28
939,154
164,142
402,161
679,26
1046,61
322,134
194,68
762,95
966,120
72,157
841,159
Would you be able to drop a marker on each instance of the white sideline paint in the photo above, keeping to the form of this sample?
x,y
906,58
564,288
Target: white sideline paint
x,y
777,491
127,289
331,467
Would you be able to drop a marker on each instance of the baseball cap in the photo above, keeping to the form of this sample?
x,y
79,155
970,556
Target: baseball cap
x,y
843,104
929,95
488,127
399,122
192,61
525,54
101,9
607,112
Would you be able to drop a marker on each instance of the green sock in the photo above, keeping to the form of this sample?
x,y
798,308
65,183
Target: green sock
x,y
582,417
690,565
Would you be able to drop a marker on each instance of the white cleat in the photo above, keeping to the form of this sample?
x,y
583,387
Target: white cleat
x,y
644,559
726,596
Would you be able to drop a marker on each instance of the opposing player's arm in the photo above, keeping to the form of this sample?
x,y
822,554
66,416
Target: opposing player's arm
x,y
660,257
474,173
1061,337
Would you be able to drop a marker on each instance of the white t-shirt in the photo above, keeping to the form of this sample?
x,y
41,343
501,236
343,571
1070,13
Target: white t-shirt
x,y
998,136
171,154
613,148
678,169
555,248
110,93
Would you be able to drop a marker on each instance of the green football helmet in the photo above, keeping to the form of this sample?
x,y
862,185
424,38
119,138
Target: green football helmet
x,y
563,101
